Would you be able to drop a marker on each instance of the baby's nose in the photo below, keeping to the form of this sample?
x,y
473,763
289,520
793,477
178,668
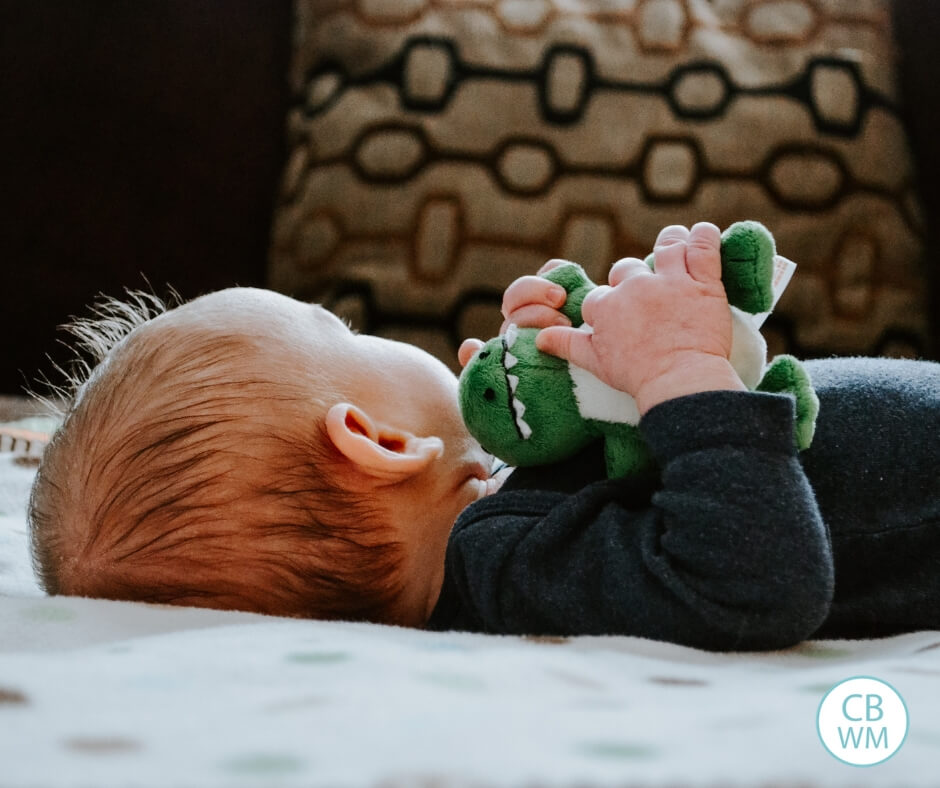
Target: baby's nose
x,y
467,348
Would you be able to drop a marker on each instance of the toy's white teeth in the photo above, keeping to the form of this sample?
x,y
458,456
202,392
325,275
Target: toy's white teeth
x,y
512,381
519,408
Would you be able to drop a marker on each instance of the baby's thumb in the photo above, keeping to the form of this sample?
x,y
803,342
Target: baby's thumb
x,y
571,344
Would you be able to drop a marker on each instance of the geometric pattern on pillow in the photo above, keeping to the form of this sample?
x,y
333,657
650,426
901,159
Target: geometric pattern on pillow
x,y
441,148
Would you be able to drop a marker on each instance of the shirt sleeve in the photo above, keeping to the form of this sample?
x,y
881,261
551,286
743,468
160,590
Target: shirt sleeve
x,y
724,549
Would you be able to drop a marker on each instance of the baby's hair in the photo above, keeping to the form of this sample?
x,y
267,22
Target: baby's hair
x,y
171,480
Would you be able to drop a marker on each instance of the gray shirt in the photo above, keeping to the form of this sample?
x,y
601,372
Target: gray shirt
x,y
737,541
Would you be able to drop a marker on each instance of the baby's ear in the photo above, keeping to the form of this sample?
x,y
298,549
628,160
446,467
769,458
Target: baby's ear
x,y
379,450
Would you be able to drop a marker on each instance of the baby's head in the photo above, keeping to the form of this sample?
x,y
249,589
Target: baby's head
x,y
248,451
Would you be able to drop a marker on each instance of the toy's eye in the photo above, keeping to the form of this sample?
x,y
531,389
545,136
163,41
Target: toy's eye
x,y
489,394
483,354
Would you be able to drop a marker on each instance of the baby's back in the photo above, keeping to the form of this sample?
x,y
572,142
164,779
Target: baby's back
x,y
875,467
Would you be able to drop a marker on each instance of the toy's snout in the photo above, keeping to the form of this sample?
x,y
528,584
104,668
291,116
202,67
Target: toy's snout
x,y
516,401
487,394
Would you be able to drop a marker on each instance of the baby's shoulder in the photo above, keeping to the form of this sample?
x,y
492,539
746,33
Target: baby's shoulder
x,y
875,414
875,460
875,380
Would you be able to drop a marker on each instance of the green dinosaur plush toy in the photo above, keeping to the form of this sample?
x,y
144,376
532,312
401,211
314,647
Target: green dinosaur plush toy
x,y
530,408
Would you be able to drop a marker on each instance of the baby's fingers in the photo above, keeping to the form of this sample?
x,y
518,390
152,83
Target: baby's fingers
x,y
532,290
535,316
571,344
703,255
467,348
670,250
625,269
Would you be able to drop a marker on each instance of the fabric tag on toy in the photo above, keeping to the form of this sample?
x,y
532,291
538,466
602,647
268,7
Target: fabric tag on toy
x,y
783,273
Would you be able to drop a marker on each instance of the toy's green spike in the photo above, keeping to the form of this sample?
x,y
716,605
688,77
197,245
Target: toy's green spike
x,y
747,266
573,278
786,375
625,452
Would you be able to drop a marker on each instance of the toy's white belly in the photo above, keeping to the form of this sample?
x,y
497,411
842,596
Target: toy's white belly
x,y
748,348
596,400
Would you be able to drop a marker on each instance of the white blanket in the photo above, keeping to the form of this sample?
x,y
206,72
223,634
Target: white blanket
x,y
97,693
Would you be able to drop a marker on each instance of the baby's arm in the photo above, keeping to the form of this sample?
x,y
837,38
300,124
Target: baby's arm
x,y
725,550
656,336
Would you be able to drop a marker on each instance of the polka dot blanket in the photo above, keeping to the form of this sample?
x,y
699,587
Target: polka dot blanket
x,y
100,693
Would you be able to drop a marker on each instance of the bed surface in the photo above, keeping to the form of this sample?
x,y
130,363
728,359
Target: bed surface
x,y
105,693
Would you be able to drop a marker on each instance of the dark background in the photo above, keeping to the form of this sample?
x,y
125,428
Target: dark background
x,y
144,139
138,138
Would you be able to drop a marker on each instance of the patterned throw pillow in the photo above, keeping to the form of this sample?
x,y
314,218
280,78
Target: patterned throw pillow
x,y
442,148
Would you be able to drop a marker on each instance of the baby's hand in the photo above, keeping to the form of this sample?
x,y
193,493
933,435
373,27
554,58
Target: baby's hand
x,y
529,302
657,335
534,301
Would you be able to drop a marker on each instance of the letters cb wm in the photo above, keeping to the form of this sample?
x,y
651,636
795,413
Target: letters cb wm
x,y
862,721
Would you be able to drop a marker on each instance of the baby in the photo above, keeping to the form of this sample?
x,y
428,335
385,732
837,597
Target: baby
x,y
249,451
